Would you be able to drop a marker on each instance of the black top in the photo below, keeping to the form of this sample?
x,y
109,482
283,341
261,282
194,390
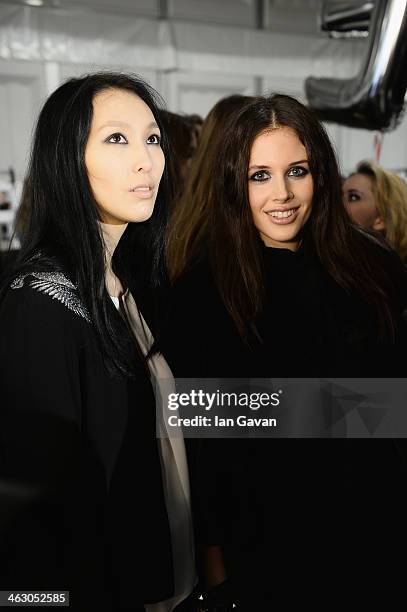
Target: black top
x,y
310,325
82,502
300,520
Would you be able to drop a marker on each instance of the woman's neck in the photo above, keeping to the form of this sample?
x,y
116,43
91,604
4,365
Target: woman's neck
x,y
111,237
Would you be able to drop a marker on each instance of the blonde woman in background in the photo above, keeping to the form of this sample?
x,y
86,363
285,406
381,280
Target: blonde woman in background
x,y
377,200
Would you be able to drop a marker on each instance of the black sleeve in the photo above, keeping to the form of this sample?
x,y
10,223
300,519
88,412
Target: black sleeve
x,y
52,485
199,336
40,384
194,345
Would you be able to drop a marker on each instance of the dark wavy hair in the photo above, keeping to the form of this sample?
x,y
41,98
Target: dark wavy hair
x,y
190,224
349,256
63,214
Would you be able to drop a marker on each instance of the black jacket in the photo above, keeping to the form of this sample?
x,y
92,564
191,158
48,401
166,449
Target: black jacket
x,y
82,502
313,520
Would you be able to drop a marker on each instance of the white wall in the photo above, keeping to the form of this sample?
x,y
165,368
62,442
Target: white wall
x,y
22,88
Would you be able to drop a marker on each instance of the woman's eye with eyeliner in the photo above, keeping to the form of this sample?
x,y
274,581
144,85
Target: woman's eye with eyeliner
x,y
353,197
298,171
117,138
260,176
154,139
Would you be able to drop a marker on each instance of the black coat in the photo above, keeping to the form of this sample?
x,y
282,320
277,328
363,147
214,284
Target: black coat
x,y
82,502
300,520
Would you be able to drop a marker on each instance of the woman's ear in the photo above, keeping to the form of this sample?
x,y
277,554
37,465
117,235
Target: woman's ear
x,y
379,224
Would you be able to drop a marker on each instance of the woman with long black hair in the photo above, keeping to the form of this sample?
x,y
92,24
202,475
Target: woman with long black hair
x,y
286,286
93,501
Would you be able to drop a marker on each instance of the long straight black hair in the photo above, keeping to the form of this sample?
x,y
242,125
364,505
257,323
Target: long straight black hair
x,y
63,214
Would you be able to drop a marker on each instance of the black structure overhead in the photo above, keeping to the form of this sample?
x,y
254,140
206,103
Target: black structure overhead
x,y
374,99
346,18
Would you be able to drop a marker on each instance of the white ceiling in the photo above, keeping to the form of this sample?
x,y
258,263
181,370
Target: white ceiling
x,y
291,16
281,15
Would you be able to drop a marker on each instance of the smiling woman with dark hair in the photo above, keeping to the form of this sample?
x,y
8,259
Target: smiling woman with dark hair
x,y
285,286
94,503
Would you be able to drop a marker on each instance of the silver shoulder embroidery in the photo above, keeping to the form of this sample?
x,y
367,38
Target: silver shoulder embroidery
x,y
57,286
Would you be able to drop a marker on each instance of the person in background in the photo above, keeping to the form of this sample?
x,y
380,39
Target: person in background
x,y
93,501
195,123
272,280
182,134
376,199
189,221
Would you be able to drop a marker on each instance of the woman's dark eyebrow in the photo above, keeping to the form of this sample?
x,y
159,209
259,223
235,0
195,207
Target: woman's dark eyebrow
x,y
258,167
301,161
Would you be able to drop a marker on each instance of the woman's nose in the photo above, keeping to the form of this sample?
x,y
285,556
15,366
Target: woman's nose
x,y
142,161
281,192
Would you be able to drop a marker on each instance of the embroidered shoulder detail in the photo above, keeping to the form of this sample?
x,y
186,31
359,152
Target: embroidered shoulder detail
x,y
57,286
